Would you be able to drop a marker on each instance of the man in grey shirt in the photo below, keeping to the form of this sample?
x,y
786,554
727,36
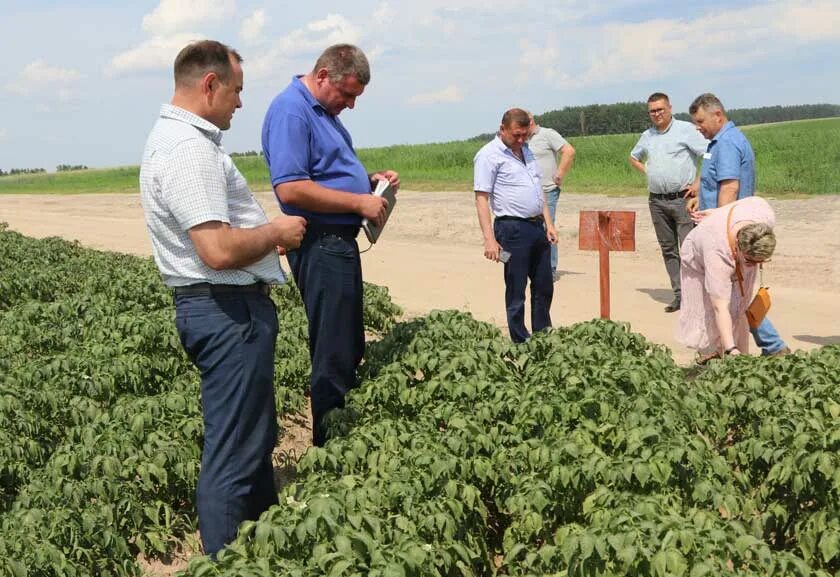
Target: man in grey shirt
x,y
554,157
216,248
667,153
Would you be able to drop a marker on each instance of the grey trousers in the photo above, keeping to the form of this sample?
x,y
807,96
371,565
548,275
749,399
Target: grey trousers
x,y
672,224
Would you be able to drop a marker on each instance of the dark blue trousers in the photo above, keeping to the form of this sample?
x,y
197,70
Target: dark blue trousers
x,y
530,259
328,273
230,338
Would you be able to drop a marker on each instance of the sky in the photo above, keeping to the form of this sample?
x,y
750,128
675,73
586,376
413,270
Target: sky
x,y
82,81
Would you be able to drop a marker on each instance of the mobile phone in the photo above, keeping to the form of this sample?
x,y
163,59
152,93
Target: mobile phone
x,y
504,255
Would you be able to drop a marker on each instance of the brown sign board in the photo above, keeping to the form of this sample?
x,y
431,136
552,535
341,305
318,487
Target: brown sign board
x,y
615,228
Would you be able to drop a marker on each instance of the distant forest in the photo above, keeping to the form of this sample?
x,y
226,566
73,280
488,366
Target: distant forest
x,y
632,117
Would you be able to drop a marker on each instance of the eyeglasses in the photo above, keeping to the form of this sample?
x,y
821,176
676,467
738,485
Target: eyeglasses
x,y
656,111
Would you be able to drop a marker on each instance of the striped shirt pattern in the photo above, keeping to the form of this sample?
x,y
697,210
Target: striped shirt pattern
x,y
187,179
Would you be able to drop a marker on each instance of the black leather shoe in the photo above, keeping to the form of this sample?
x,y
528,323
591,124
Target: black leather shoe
x,y
673,307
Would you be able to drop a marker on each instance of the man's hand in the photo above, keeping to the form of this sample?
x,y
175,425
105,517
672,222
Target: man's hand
x,y
371,207
557,179
691,191
491,249
389,175
691,204
551,233
288,231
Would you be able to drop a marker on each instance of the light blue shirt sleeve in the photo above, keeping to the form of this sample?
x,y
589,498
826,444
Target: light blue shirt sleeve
x,y
485,170
728,165
639,151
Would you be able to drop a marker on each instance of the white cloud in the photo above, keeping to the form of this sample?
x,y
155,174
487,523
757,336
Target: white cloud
x,y
38,76
252,27
156,53
314,37
812,20
449,94
179,15
655,49
383,15
3,133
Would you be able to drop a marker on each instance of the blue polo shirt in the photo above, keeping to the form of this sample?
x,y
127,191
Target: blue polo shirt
x,y
729,157
513,185
302,141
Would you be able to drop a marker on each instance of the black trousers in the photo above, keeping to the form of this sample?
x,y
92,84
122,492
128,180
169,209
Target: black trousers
x,y
328,273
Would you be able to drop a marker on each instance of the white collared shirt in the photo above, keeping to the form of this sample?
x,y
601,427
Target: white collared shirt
x,y
187,179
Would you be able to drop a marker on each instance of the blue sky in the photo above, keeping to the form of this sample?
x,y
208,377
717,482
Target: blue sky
x,y
81,82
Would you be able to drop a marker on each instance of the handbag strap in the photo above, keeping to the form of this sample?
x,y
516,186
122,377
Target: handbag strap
x,y
738,274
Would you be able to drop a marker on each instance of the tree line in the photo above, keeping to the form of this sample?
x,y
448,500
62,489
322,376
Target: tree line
x,y
59,168
632,117
14,171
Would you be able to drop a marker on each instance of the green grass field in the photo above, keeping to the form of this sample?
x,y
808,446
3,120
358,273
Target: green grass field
x,y
793,158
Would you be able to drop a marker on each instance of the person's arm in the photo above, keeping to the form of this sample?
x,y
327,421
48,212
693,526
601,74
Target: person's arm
x,y
638,153
482,206
638,165
723,322
728,191
222,247
311,196
550,230
567,157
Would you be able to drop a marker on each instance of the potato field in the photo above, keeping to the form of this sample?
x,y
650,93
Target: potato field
x,y
584,452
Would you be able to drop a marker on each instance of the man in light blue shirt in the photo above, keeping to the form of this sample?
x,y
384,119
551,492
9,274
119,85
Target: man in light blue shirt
x,y
507,180
667,154
728,175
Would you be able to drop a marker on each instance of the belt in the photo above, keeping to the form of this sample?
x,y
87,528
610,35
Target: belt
x,y
209,289
348,231
538,218
668,195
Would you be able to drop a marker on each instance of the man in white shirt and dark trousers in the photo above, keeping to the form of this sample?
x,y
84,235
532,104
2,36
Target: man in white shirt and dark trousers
x,y
667,154
507,180
216,248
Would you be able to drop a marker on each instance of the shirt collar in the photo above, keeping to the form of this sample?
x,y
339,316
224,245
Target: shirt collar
x,y
180,114
504,149
667,128
729,124
301,87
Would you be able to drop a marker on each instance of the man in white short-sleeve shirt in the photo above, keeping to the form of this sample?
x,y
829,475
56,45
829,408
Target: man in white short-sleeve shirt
x,y
217,249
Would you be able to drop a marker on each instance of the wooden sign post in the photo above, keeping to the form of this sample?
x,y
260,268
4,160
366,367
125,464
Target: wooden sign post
x,y
606,230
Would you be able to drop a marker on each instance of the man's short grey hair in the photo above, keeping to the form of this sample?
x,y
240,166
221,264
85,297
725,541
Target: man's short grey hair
x,y
707,101
757,240
342,60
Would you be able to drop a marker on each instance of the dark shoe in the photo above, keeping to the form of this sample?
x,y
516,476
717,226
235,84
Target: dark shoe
x,y
780,353
673,307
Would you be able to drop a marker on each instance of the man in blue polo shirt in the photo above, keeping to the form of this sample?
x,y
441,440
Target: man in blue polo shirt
x,y
507,180
316,174
727,175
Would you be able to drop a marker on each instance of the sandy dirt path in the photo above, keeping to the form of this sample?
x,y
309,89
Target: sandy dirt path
x,y
431,257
